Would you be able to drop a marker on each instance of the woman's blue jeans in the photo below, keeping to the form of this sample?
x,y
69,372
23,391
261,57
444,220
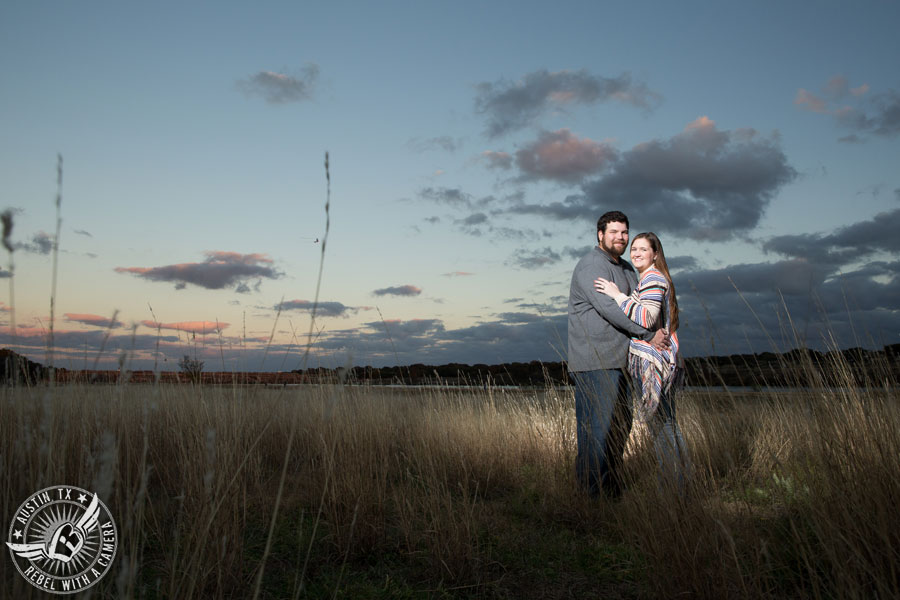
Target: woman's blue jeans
x,y
668,445
603,422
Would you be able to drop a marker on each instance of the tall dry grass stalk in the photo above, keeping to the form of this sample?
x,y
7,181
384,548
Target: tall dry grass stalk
x,y
6,218
53,279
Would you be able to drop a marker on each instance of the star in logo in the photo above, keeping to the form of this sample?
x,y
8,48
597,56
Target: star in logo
x,y
17,534
82,498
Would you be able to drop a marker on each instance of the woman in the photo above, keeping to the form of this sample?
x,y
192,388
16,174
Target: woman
x,y
653,305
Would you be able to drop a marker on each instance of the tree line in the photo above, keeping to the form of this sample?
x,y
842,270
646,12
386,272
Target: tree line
x,y
802,367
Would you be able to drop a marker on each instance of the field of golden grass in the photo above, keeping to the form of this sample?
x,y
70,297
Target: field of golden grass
x,y
358,491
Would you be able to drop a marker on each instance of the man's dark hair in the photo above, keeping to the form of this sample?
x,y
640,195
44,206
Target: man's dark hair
x,y
612,216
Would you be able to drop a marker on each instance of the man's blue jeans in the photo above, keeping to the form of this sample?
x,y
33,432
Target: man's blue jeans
x,y
603,422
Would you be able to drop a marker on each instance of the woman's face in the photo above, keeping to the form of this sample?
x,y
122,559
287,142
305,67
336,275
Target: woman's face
x,y
642,256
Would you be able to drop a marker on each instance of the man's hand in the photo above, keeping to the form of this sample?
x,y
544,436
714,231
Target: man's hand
x,y
660,340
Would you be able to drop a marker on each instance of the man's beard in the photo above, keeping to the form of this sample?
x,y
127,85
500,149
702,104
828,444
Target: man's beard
x,y
614,252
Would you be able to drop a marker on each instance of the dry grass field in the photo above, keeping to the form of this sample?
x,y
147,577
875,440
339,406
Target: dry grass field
x,y
364,492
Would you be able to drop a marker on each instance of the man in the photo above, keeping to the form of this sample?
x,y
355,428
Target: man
x,y
599,333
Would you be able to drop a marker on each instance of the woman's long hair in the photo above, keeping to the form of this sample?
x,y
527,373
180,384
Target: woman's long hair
x,y
662,267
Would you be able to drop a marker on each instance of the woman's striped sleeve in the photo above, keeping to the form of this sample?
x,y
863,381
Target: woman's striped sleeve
x,y
643,306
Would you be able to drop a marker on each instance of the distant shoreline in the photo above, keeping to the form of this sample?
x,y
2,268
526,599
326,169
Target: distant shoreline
x,y
798,368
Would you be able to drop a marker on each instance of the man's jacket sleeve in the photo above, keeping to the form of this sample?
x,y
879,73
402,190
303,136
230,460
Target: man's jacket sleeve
x,y
606,306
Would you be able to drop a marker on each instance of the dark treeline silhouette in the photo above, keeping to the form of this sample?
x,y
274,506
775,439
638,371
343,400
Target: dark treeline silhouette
x,y
796,368
15,369
534,373
801,367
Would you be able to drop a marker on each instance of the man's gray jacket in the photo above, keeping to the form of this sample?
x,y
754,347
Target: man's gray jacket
x,y
598,329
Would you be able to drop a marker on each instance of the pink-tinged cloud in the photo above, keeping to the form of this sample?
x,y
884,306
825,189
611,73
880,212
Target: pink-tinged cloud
x,y
458,274
93,320
838,87
3,307
703,135
560,155
809,101
399,290
877,114
220,270
35,331
201,327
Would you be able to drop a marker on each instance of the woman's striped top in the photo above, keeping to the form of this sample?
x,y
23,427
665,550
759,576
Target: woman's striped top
x,y
648,306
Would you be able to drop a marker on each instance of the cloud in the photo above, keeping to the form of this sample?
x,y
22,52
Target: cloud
x,y
83,232
399,329
4,273
851,139
845,244
323,309
195,327
401,290
534,259
838,87
478,218
795,277
519,317
477,222
93,320
855,108
809,101
41,243
497,160
390,341
519,338
576,253
443,142
220,270
884,119
677,263
509,106
454,197
457,274
703,183
280,88
561,156
478,225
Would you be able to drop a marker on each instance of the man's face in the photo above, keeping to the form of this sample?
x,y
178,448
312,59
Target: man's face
x,y
614,239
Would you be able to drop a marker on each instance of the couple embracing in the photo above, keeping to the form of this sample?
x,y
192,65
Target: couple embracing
x,y
622,327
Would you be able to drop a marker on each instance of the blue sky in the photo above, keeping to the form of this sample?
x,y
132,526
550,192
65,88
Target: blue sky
x,y
472,149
